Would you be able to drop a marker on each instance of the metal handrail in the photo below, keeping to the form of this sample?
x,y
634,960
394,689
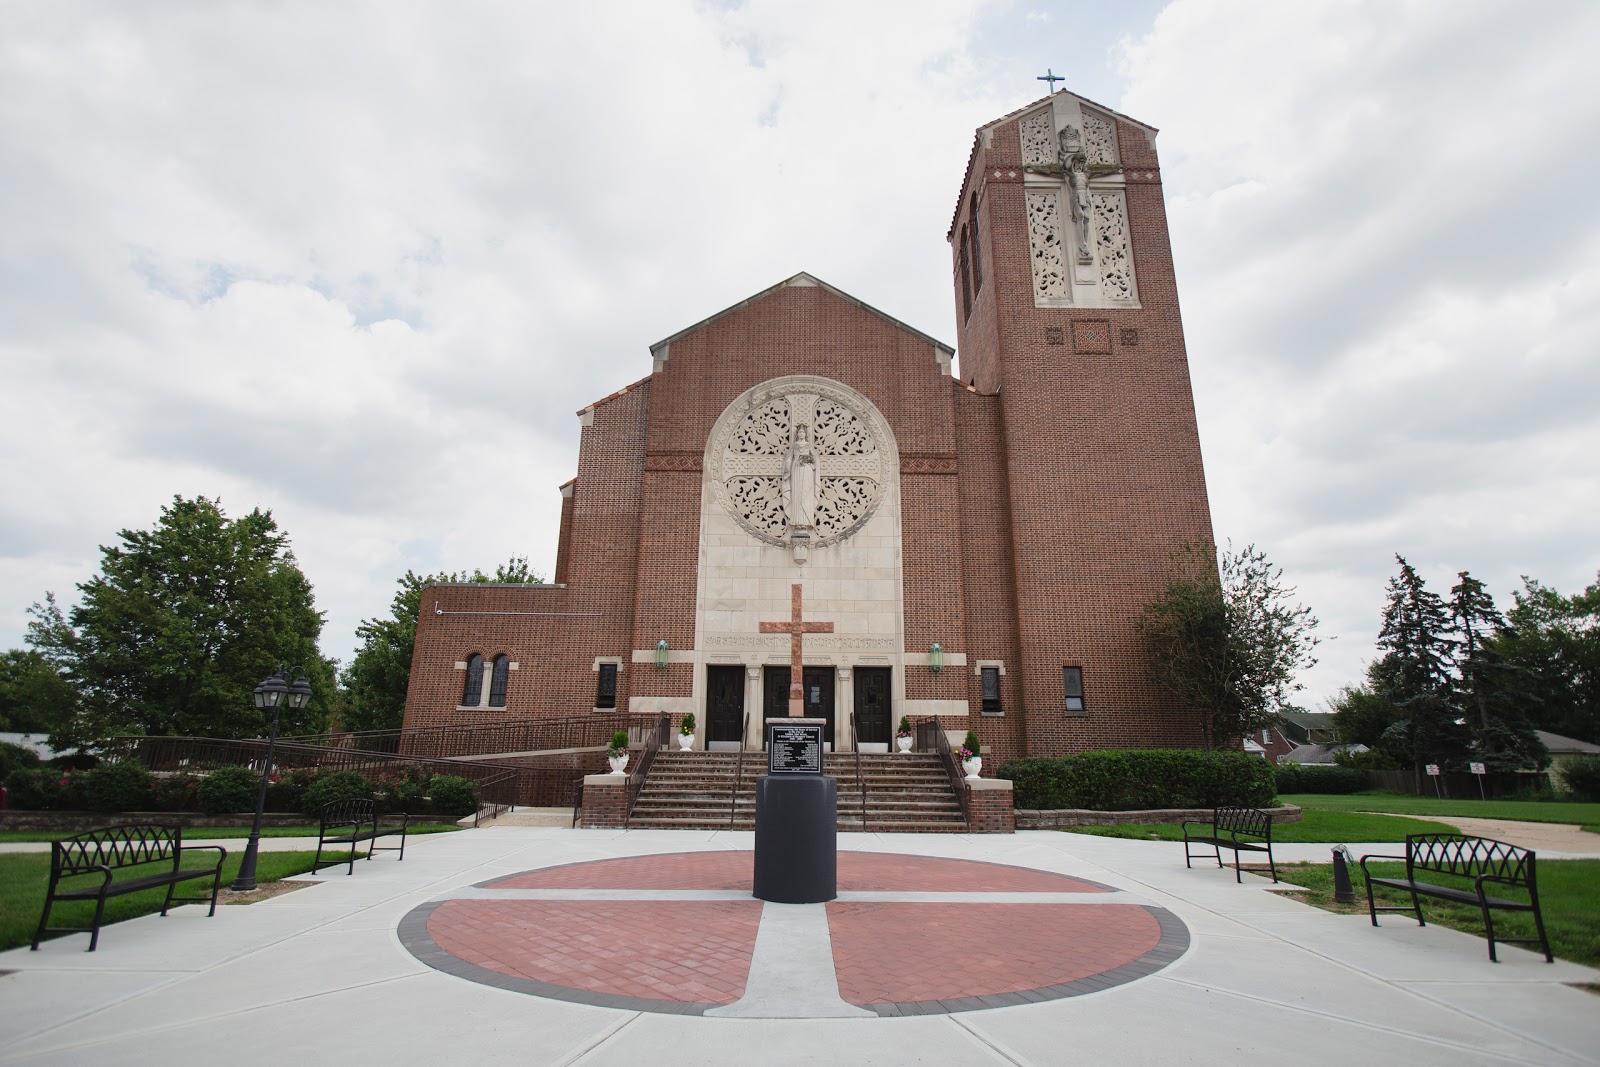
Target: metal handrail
x,y
738,773
647,758
929,735
475,739
861,782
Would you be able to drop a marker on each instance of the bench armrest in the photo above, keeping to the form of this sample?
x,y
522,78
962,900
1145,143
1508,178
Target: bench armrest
x,y
1376,856
222,852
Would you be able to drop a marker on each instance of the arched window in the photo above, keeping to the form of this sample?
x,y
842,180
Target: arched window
x,y
497,684
977,249
472,690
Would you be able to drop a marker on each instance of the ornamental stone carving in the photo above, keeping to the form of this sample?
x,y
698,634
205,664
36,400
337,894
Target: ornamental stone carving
x,y
1099,139
1044,241
1111,238
802,466
1038,133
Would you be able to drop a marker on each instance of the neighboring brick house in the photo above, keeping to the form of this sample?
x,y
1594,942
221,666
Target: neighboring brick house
x,y
981,548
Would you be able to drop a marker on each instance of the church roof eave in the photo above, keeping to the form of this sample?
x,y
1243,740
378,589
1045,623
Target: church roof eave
x,y
659,350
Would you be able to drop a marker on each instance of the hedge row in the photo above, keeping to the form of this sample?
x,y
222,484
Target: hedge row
x,y
1319,778
128,786
1139,779
1582,777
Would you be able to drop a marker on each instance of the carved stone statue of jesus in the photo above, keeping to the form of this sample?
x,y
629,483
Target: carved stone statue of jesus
x,y
800,480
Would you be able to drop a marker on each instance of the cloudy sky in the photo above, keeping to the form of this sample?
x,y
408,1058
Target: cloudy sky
x,y
360,263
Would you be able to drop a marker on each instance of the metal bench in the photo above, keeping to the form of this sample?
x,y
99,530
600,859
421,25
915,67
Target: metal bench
x,y
1486,862
117,849
1241,829
353,822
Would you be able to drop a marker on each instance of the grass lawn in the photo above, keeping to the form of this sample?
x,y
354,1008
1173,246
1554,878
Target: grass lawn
x,y
1329,826
1569,895
1567,811
24,876
233,833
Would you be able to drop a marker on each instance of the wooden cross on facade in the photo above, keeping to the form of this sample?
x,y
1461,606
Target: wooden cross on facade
x,y
795,629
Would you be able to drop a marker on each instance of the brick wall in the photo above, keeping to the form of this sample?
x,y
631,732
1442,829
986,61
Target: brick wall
x,y
605,801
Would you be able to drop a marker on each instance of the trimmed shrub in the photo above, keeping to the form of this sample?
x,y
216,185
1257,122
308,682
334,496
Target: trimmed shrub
x,y
972,744
34,788
619,743
15,758
175,792
340,785
1319,778
228,790
1582,777
1138,779
452,795
398,790
120,786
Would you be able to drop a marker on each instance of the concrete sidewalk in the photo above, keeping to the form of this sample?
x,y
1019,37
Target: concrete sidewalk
x,y
321,974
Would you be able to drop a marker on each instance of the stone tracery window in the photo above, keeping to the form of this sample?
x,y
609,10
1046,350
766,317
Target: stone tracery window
x,y
848,466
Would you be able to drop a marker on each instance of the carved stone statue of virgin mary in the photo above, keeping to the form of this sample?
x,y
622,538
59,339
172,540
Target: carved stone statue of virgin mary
x,y
800,480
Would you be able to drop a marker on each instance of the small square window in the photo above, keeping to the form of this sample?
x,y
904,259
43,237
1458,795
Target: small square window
x,y
1072,683
991,690
606,692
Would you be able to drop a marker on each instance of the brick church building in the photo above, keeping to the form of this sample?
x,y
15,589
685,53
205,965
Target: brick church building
x,y
976,549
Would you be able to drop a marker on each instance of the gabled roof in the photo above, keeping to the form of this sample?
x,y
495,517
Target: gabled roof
x,y
1558,745
658,350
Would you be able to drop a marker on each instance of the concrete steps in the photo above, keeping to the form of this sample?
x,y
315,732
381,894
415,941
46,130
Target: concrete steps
x,y
894,793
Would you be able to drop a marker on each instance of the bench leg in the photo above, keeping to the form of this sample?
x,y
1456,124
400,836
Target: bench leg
x,y
1488,927
1538,925
44,920
1270,863
99,916
165,904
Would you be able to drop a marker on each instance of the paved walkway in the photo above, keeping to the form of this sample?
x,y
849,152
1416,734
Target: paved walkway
x,y
325,974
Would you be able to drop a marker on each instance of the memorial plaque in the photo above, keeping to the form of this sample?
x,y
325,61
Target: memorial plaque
x,y
794,746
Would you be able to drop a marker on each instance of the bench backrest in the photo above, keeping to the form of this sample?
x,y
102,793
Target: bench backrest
x,y
117,846
1468,857
1252,821
348,812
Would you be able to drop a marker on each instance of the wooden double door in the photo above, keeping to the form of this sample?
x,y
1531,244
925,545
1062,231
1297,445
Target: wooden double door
x,y
817,683
725,704
873,705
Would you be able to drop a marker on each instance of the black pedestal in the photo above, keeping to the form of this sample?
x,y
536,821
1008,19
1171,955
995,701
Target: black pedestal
x,y
797,839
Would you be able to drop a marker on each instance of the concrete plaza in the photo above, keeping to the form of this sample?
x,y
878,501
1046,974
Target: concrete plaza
x,y
323,974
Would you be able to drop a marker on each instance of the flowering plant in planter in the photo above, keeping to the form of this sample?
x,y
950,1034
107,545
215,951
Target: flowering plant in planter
x,y
904,729
963,754
686,727
619,744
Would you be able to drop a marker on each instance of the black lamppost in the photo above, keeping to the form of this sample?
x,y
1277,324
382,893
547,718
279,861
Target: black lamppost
x,y
273,693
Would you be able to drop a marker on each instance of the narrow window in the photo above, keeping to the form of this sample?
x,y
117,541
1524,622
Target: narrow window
x,y
497,684
991,690
1072,679
966,278
606,692
472,691
977,249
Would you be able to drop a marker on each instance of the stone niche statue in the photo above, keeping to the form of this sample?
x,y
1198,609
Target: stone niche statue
x,y
800,480
1075,168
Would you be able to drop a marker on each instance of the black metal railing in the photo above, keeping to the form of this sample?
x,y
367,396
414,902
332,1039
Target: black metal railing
x,y
530,786
657,739
738,772
454,740
931,737
861,782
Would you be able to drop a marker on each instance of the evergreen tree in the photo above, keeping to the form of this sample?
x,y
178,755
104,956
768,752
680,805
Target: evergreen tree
x,y
1416,672
380,673
179,627
1548,659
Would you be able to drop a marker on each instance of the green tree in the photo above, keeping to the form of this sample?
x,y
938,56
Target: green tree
x,y
379,674
1487,686
1416,673
183,621
1549,653
1228,640
35,696
1361,714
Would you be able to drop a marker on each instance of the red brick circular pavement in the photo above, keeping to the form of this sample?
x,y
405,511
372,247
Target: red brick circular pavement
x,y
892,957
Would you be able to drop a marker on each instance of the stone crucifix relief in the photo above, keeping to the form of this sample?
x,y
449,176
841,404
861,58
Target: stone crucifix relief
x,y
800,469
1075,165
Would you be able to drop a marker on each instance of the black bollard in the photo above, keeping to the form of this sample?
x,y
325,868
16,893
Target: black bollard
x,y
1343,891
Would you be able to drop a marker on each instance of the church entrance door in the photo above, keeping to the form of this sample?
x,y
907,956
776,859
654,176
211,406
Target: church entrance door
x,y
818,695
724,703
872,705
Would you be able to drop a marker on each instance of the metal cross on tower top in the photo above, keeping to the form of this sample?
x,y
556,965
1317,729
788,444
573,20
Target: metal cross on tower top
x,y
1051,77
795,628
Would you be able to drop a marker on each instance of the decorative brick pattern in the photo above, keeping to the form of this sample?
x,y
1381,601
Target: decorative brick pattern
x,y
1091,338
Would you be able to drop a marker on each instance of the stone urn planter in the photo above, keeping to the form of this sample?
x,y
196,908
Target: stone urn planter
x,y
685,742
903,742
972,766
619,763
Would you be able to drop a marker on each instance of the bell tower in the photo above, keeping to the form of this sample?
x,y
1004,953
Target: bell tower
x,y
1067,308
